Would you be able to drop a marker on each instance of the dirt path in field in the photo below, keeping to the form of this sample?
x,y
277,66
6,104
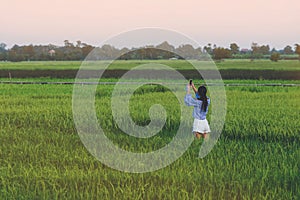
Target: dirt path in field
x,y
189,74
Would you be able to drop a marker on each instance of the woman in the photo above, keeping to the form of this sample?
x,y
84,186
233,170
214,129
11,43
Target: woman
x,y
200,127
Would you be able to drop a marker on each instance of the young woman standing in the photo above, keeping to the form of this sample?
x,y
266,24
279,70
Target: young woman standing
x,y
201,103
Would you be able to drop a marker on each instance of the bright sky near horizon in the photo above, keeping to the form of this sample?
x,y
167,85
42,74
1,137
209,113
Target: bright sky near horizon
x,y
219,22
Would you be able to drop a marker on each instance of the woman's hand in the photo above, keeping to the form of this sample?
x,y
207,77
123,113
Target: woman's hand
x,y
194,88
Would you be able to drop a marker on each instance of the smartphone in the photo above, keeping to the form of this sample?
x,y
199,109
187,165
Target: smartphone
x,y
191,81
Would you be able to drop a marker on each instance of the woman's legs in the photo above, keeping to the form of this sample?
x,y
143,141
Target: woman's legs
x,y
198,135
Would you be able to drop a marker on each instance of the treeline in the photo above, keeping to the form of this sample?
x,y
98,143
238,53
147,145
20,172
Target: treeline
x,y
80,50
45,52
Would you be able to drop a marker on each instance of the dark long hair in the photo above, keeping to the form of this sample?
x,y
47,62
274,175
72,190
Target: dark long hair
x,y
202,93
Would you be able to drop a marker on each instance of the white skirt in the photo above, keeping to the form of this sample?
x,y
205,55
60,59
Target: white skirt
x,y
201,126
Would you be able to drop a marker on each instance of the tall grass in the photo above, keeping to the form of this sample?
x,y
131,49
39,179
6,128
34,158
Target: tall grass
x,y
42,157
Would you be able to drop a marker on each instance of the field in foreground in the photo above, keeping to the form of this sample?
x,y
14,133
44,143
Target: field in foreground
x,y
41,155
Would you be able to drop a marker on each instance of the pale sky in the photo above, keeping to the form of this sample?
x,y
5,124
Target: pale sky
x,y
221,22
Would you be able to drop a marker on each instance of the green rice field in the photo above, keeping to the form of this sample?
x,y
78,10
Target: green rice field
x,y
42,156
264,64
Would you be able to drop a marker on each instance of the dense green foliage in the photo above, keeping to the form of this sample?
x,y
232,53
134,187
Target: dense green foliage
x,y
41,155
80,50
275,57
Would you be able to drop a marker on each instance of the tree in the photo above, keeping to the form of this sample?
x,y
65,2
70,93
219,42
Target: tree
x,y
108,52
2,47
208,49
187,51
68,44
166,46
27,52
124,54
14,54
168,49
86,49
264,49
3,51
288,50
220,53
275,56
256,51
235,49
78,43
297,50
273,50
254,47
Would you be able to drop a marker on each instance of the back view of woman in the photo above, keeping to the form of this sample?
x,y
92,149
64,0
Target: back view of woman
x,y
201,103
